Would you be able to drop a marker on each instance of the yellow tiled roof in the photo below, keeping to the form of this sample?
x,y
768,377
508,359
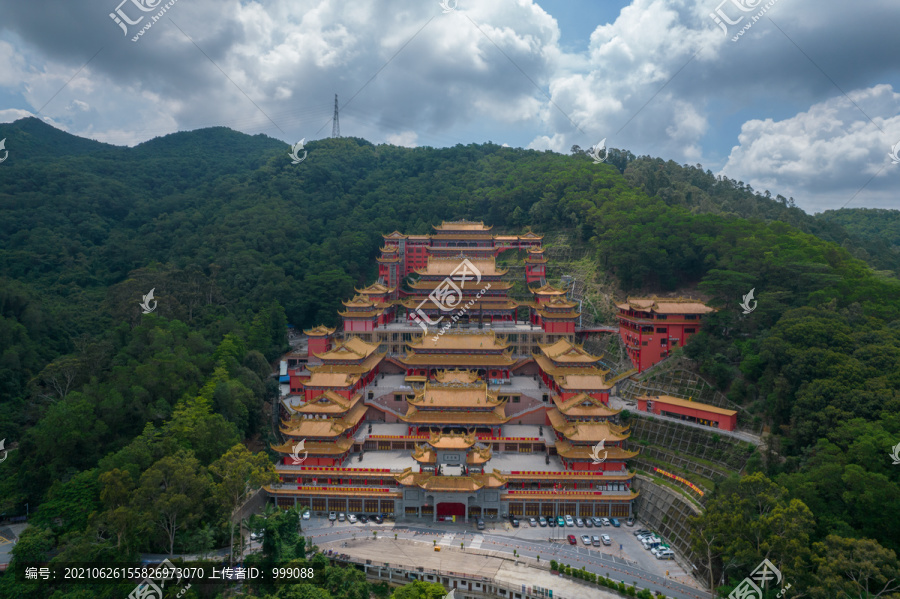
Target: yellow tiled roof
x,y
451,441
446,266
357,369
319,331
328,427
485,303
353,348
462,225
465,360
337,380
339,446
548,289
416,416
565,351
460,395
592,432
328,403
666,305
582,382
452,340
677,401
456,376
578,452
575,406
471,287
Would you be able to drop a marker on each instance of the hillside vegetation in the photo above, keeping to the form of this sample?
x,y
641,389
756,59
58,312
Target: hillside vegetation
x,y
102,400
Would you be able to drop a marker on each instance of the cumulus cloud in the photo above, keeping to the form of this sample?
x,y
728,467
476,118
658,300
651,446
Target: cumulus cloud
x,y
826,153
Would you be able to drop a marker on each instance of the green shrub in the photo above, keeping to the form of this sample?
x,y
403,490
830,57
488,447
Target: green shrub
x,y
631,591
621,587
554,565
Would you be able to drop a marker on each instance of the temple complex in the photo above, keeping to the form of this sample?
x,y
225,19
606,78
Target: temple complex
x,y
454,388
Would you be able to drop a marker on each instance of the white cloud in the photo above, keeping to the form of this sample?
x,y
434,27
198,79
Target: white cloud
x,y
825,154
406,138
13,114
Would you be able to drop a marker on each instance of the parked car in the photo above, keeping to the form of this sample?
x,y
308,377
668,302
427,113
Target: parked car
x,y
595,541
597,521
480,524
667,554
560,522
341,517
629,522
332,516
579,522
572,540
659,549
615,522
606,540
255,536
351,518
651,542
640,531
514,522
605,521
551,522
363,518
378,519
586,539
589,523
542,521
305,515
569,520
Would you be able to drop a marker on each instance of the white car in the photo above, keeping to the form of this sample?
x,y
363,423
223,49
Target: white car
x,y
351,519
606,540
605,521
586,539
569,521
305,515
667,554
532,521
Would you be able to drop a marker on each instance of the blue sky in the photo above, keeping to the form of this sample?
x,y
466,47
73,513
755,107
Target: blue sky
x,y
802,103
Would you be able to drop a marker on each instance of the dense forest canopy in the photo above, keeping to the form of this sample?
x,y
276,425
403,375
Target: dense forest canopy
x,y
101,401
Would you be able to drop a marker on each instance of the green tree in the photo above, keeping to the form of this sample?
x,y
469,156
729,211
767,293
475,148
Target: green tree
x,y
238,475
420,590
854,568
173,492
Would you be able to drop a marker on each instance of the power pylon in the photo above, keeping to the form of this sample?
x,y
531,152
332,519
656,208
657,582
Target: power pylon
x,y
335,124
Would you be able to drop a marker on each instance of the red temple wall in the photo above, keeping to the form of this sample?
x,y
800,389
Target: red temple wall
x,y
559,327
725,421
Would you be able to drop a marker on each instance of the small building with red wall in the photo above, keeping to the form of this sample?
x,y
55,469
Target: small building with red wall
x,y
691,411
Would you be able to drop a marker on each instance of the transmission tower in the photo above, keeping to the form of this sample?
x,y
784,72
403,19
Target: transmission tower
x,y
335,124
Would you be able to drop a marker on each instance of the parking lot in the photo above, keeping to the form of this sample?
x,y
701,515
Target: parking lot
x,y
624,551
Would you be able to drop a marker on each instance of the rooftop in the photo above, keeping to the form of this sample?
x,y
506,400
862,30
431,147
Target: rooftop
x,y
684,403
460,340
665,305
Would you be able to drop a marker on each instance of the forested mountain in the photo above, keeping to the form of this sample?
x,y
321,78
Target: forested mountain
x,y
871,223
101,400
